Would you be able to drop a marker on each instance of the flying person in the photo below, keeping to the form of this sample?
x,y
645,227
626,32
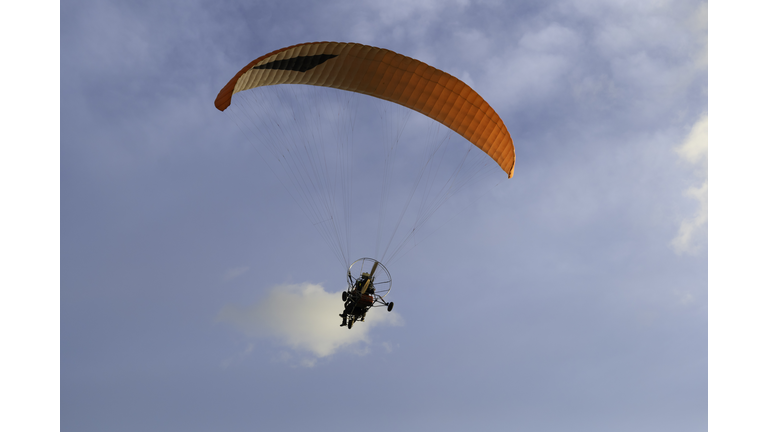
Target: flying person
x,y
359,299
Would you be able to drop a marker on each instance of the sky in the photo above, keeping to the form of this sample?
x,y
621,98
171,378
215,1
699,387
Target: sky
x,y
196,295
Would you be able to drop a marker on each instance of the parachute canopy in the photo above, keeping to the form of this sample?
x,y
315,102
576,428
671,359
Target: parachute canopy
x,y
386,75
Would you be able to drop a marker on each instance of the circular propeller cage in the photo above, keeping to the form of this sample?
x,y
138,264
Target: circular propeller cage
x,y
382,281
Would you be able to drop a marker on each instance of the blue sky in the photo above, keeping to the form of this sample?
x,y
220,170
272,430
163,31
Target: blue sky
x,y
560,299
195,294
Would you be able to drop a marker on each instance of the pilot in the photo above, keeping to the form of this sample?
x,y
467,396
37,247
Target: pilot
x,y
351,303
361,282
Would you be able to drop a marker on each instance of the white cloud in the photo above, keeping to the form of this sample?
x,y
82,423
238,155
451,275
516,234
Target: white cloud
x,y
694,151
305,318
694,148
693,226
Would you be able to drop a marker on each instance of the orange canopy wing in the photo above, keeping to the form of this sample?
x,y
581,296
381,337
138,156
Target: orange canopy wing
x,y
386,75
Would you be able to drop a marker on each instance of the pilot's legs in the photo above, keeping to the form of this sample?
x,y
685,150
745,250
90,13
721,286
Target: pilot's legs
x,y
348,306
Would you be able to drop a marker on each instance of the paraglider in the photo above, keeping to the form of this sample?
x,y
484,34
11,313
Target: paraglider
x,y
318,172
386,75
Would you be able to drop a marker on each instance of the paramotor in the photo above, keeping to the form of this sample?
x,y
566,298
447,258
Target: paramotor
x,y
308,135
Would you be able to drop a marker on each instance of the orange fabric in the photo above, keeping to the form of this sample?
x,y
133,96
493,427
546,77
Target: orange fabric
x,y
386,75
366,300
